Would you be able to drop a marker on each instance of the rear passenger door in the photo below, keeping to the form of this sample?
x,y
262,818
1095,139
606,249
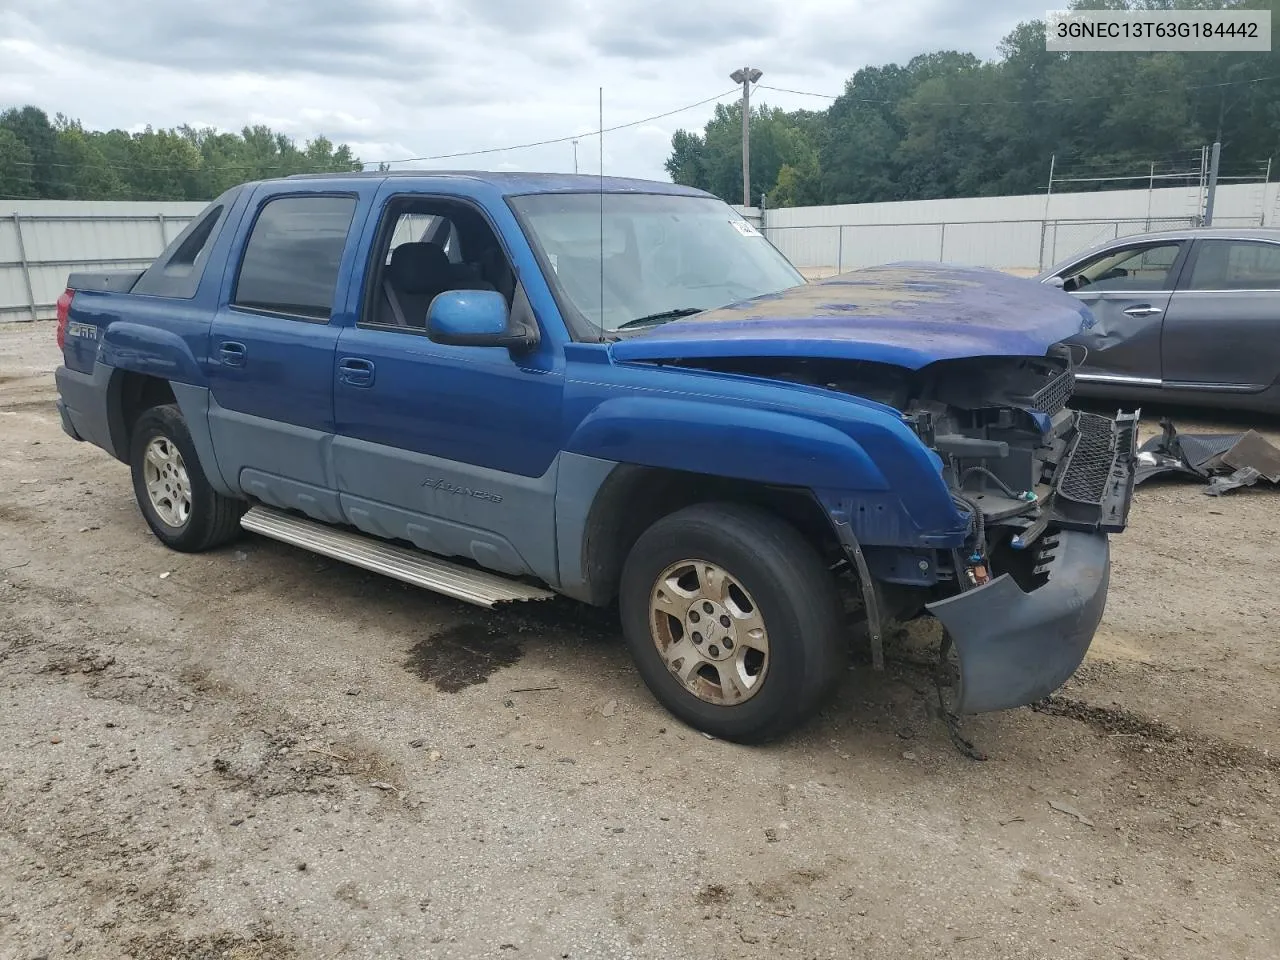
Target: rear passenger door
x,y
272,346
1222,331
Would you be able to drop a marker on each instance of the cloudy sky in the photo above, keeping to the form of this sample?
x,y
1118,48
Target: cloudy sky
x,y
415,78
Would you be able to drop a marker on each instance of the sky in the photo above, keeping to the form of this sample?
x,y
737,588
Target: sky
x,y
400,79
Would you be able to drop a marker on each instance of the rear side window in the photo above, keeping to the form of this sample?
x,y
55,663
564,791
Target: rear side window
x,y
1236,265
177,271
291,261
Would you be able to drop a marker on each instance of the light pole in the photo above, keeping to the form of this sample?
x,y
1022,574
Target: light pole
x,y
575,157
746,76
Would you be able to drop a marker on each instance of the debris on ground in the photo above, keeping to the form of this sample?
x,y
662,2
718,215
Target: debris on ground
x,y
1225,461
1070,811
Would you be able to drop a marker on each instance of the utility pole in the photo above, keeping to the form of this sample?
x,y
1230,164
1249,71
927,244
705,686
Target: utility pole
x,y
575,157
1213,183
746,76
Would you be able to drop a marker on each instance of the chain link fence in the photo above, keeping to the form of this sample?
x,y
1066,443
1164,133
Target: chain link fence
x,y
1019,246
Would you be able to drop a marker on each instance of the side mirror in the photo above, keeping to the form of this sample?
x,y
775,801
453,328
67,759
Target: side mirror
x,y
1055,282
476,318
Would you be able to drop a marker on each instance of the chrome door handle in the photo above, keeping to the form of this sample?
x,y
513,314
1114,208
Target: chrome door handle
x,y
1144,310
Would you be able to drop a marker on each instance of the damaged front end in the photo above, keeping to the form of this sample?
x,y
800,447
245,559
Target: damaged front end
x,y
1043,485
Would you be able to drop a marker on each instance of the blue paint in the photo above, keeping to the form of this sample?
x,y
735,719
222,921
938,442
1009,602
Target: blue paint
x,y
461,449
909,315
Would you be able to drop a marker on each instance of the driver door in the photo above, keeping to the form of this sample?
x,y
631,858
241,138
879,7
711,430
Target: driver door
x,y
1127,288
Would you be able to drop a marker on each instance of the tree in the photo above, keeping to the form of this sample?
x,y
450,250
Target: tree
x,y
15,166
949,124
31,125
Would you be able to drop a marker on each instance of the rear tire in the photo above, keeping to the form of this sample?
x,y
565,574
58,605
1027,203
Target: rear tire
x,y
175,497
733,620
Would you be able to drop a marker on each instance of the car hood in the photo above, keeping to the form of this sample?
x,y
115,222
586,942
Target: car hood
x,y
906,314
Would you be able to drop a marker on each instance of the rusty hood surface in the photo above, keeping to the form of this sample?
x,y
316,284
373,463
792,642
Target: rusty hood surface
x,y
906,314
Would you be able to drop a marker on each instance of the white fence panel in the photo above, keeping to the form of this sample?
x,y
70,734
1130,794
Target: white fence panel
x,y
41,242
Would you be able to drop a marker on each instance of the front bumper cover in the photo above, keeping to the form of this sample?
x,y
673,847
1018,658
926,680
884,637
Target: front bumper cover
x,y
1014,647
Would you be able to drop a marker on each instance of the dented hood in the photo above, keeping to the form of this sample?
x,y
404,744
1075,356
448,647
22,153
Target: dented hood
x,y
906,314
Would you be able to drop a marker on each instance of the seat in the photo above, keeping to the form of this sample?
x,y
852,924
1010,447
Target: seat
x,y
417,272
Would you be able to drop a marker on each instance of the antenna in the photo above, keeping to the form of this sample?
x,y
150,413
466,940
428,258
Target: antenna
x,y
601,117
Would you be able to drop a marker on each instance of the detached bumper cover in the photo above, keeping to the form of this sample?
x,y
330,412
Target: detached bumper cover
x,y
1015,648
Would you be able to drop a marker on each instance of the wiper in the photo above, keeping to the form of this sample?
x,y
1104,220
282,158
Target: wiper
x,y
661,317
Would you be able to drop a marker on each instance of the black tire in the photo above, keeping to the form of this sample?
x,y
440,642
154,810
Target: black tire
x,y
795,594
213,519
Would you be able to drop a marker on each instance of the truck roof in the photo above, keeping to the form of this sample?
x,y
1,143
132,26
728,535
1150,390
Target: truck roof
x,y
516,183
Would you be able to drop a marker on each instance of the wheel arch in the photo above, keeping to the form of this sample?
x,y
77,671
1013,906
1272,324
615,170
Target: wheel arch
x,y
632,498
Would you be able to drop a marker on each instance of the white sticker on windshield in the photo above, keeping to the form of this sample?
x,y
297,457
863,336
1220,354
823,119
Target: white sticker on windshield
x,y
555,261
746,228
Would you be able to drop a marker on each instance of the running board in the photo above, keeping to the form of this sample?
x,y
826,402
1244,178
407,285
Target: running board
x,y
422,570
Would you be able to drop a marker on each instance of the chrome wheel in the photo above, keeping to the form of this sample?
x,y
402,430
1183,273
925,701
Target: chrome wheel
x,y
167,483
709,632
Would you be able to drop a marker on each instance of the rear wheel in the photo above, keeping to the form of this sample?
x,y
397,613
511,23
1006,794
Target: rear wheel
x,y
734,622
173,493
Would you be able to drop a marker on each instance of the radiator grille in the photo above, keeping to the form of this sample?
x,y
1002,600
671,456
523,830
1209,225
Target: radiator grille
x,y
1085,477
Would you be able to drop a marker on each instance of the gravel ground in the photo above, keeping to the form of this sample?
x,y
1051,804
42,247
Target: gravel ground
x,y
257,753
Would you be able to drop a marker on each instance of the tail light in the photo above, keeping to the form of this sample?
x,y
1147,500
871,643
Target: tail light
x,y
64,310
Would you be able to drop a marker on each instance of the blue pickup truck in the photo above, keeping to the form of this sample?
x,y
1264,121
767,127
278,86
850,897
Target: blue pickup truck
x,y
504,387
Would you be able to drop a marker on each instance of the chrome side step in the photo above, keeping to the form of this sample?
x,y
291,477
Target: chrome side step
x,y
422,570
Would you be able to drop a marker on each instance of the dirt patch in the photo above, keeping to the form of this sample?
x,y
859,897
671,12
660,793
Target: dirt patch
x,y
260,945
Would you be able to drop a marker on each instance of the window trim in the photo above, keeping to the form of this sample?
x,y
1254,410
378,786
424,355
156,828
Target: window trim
x,y
244,250
1194,258
374,265
1172,278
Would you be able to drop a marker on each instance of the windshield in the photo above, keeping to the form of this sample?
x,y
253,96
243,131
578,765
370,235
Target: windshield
x,y
664,256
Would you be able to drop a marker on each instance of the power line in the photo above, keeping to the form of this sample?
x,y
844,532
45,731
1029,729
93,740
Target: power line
x,y
577,136
325,168
1000,103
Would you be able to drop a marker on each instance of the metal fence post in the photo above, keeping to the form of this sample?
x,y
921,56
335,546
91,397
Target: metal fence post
x,y
26,266
164,237
840,249
942,243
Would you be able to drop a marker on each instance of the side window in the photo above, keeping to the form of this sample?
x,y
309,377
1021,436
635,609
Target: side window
x,y
1236,265
1133,268
427,247
290,264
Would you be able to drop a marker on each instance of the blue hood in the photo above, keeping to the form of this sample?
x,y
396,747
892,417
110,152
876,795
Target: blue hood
x,y
906,314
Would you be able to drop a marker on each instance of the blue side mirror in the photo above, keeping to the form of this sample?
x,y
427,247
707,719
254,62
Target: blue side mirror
x,y
474,318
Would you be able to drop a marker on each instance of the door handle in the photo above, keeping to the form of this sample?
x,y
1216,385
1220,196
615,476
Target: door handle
x,y
233,354
355,372
1143,310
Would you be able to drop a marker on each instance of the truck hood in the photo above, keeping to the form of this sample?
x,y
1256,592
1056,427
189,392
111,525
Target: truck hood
x,y
906,314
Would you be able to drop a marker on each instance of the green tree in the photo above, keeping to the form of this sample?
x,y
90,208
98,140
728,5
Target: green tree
x,y
31,125
15,166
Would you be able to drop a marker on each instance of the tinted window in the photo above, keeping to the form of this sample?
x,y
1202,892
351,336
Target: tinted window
x,y
1236,265
1133,268
177,271
291,261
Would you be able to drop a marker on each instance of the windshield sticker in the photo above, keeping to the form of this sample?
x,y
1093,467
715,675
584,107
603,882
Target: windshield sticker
x,y
746,228
555,261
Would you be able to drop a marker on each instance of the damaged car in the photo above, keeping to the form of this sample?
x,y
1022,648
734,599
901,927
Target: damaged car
x,y
1182,316
505,387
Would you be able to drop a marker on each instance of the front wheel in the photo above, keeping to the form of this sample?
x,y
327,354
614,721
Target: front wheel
x,y
178,502
733,620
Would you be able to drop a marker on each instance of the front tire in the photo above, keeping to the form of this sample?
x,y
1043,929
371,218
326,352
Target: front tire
x,y
733,620
175,497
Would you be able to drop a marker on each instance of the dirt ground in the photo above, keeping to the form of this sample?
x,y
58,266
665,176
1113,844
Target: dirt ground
x,y
258,753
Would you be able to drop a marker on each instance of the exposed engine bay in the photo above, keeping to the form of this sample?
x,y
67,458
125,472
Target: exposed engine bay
x,y
1018,460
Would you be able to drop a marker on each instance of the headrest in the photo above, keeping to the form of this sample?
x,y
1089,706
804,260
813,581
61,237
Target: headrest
x,y
419,268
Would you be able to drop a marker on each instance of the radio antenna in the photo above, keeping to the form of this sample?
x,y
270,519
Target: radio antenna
x,y
601,118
